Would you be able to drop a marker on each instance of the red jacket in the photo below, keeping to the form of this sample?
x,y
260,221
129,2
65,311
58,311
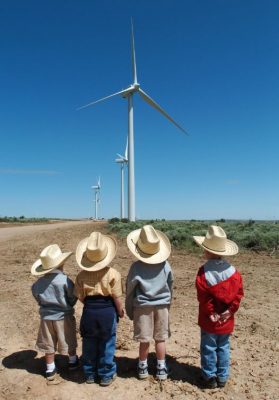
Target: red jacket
x,y
217,298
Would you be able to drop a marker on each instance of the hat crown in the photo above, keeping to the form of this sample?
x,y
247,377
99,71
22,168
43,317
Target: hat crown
x,y
96,249
215,239
49,256
149,241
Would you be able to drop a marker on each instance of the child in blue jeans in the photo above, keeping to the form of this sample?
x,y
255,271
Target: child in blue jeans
x,y
99,288
219,290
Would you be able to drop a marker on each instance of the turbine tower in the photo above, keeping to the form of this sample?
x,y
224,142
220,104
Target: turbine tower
x,y
97,189
122,160
129,93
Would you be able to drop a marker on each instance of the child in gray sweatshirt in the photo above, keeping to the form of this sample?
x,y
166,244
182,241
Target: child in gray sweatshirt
x,y
148,295
54,293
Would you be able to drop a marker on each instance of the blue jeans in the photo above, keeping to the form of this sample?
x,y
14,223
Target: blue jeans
x,y
98,330
215,356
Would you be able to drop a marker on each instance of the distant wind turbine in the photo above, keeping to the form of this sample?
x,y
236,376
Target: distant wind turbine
x,y
128,93
97,189
122,160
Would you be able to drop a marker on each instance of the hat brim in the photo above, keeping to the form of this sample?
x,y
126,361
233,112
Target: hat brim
x,y
230,250
88,265
162,255
37,267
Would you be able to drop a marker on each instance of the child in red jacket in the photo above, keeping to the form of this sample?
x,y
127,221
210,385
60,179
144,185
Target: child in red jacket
x,y
219,290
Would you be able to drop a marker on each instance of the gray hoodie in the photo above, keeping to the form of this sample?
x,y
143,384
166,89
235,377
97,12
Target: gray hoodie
x,y
148,285
54,293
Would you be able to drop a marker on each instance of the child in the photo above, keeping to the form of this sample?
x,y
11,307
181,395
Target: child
x,y
99,288
54,294
148,295
219,290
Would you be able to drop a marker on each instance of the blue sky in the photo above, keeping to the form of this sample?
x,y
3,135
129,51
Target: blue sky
x,y
212,65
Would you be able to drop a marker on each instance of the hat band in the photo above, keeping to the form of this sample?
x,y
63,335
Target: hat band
x,y
213,249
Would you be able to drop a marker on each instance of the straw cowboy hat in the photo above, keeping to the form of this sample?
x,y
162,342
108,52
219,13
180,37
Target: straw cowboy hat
x,y
50,258
216,242
96,251
149,245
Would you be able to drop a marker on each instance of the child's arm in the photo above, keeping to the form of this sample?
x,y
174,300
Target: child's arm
x,y
204,297
118,305
69,291
35,294
131,284
78,290
234,306
170,282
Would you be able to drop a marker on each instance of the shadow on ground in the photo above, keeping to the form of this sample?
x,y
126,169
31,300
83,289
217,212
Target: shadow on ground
x,y
179,371
27,360
126,367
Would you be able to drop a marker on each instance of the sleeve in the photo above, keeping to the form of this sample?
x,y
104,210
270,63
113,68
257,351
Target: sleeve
x,y
204,297
78,290
131,284
234,306
116,284
69,291
35,294
170,280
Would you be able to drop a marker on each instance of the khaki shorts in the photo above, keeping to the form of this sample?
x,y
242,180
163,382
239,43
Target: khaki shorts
x,y
151,322
57,335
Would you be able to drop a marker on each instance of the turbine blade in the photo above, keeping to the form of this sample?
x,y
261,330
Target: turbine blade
x,y
134,66
119,155
153,103
99,182
104,98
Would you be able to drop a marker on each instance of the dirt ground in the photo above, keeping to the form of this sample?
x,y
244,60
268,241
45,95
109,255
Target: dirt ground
x,y
255,346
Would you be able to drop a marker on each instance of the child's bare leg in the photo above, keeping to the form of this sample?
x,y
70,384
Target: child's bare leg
x,y
50,366
50,358
160,348
73,360
143,351
142,366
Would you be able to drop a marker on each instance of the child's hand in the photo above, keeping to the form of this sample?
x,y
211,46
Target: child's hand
x,y
214,317
121,313
225,316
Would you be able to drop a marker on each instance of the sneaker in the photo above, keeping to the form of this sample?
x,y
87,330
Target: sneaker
x,y
90,379
210,383
142,372
162,373
74,365
50,376
107,381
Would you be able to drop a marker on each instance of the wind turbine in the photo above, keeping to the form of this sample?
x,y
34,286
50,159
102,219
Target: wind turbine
x,y
122,160
97,189
128,93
